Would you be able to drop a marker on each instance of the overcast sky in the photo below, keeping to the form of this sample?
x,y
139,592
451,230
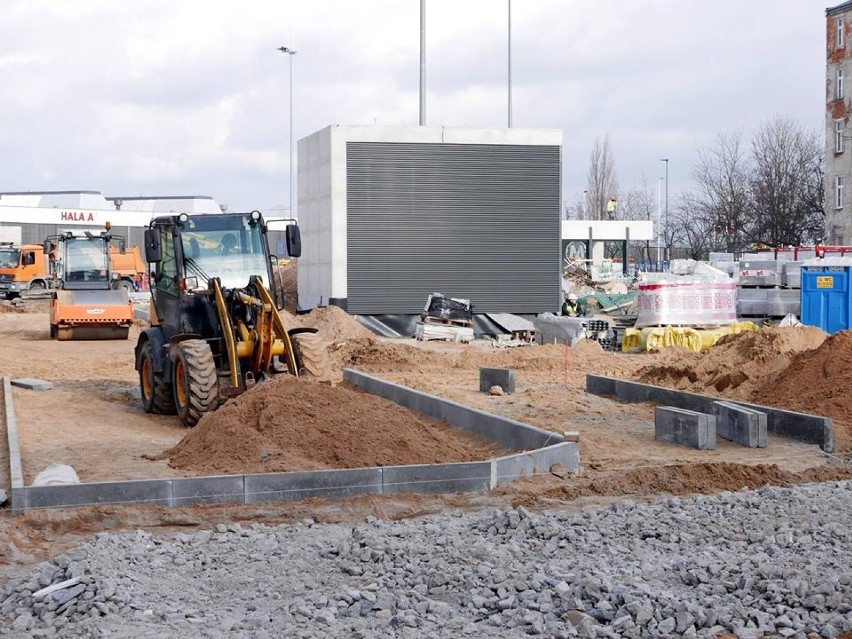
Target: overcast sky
x,y
186,97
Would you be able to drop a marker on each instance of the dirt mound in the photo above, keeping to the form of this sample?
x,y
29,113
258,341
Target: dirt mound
x,y
30,306
818,381
374,354
288,424
739,366
334,324
694,479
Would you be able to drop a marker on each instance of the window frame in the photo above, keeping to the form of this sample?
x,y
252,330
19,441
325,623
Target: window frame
x,y
839,131
839,84
839,191
840,32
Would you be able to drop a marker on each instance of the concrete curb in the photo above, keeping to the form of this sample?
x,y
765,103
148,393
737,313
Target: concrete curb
x,y
811,429
17,475
540,451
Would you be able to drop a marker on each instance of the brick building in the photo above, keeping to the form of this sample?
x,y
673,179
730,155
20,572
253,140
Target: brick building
x,y
838,128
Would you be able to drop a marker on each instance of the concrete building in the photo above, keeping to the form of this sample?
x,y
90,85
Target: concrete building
x,y
391,214
838,152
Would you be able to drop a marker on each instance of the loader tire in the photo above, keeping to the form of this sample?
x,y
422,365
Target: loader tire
x,y
196,381
157,394
311,355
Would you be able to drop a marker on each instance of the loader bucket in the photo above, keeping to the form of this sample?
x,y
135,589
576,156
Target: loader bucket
x,y
91,315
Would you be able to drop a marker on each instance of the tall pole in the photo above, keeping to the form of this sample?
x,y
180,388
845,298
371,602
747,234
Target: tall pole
x,y
290,53
510,64
659,219
422,62
666,225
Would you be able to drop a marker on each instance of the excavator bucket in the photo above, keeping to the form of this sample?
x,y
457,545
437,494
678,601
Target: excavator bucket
x,y
91,315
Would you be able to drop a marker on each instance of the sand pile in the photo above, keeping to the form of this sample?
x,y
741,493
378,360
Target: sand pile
x,y
739,366
690,479
334,324
818,381
288,424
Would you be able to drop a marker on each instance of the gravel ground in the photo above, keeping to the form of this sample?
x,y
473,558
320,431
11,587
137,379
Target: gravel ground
x,y
774,562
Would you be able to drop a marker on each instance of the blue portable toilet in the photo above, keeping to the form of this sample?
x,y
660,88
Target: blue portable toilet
x,y
826,294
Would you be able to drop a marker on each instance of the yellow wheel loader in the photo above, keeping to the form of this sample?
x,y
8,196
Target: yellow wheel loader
x,y
85,306
215,328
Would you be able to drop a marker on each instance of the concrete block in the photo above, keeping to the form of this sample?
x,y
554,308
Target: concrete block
x,y
296,486
685,427
535,462
154,492
781,302
811,429
437,478
32,384
223,489
739,424
502,377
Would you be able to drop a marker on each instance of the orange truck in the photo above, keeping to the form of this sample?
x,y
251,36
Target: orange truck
x,y
25,268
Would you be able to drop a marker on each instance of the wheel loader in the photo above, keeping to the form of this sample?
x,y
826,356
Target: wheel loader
x,y
215,328
85,306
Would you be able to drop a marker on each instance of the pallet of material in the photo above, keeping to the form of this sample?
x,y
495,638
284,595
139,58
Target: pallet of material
x,y
426,331
447,321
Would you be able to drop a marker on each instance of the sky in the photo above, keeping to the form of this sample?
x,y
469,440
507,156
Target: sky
x,y
191,97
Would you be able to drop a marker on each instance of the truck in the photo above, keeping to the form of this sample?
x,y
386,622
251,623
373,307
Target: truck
x,y
25,268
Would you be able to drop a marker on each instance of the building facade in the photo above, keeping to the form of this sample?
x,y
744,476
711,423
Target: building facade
x,y
392,214
838,141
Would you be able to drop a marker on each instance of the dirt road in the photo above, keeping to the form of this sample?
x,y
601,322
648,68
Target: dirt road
x,y
92,420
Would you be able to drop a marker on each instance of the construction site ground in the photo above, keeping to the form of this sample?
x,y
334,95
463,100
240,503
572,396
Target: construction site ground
x,y
92,420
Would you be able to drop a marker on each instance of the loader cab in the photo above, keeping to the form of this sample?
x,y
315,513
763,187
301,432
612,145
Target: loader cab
x,y
186,251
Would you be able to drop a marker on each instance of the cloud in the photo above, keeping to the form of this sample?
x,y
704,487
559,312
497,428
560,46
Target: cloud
x,y
170,97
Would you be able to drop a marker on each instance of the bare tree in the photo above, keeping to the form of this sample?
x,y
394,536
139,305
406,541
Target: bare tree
x,y
786,185
723,198
601,181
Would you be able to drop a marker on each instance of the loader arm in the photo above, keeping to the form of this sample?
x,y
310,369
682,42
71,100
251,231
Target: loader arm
x,y
278,327
228,335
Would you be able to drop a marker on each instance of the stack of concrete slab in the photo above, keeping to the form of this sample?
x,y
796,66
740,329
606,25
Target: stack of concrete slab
x,y
759,273
791,275
768,302
425,332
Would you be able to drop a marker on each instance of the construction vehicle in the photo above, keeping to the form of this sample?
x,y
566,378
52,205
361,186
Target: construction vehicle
x,y
85,306
22,268
25,269
215,328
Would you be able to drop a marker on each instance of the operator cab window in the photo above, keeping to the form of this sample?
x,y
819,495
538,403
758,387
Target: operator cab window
x,y
167,271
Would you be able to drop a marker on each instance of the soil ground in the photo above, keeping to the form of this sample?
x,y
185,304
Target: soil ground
x,y
92,420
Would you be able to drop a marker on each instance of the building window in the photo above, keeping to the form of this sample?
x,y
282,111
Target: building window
x,y
838,136
841,35
839,87
838,191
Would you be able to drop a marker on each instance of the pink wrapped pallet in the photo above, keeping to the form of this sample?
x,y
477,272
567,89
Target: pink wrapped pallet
x,y
702,296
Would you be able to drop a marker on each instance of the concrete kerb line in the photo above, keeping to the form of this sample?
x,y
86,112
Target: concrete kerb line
x,y
15,469
168,501
459,477
811,429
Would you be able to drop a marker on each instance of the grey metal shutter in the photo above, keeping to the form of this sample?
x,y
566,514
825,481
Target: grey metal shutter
x,y
475,221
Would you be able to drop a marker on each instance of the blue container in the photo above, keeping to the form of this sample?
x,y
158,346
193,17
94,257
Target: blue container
x,y
826,297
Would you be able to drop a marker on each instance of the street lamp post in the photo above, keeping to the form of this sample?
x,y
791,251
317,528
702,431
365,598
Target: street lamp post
x,y
290,53
666,224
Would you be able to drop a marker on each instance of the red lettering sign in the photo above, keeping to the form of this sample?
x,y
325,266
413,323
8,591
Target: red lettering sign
x,y
76,216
